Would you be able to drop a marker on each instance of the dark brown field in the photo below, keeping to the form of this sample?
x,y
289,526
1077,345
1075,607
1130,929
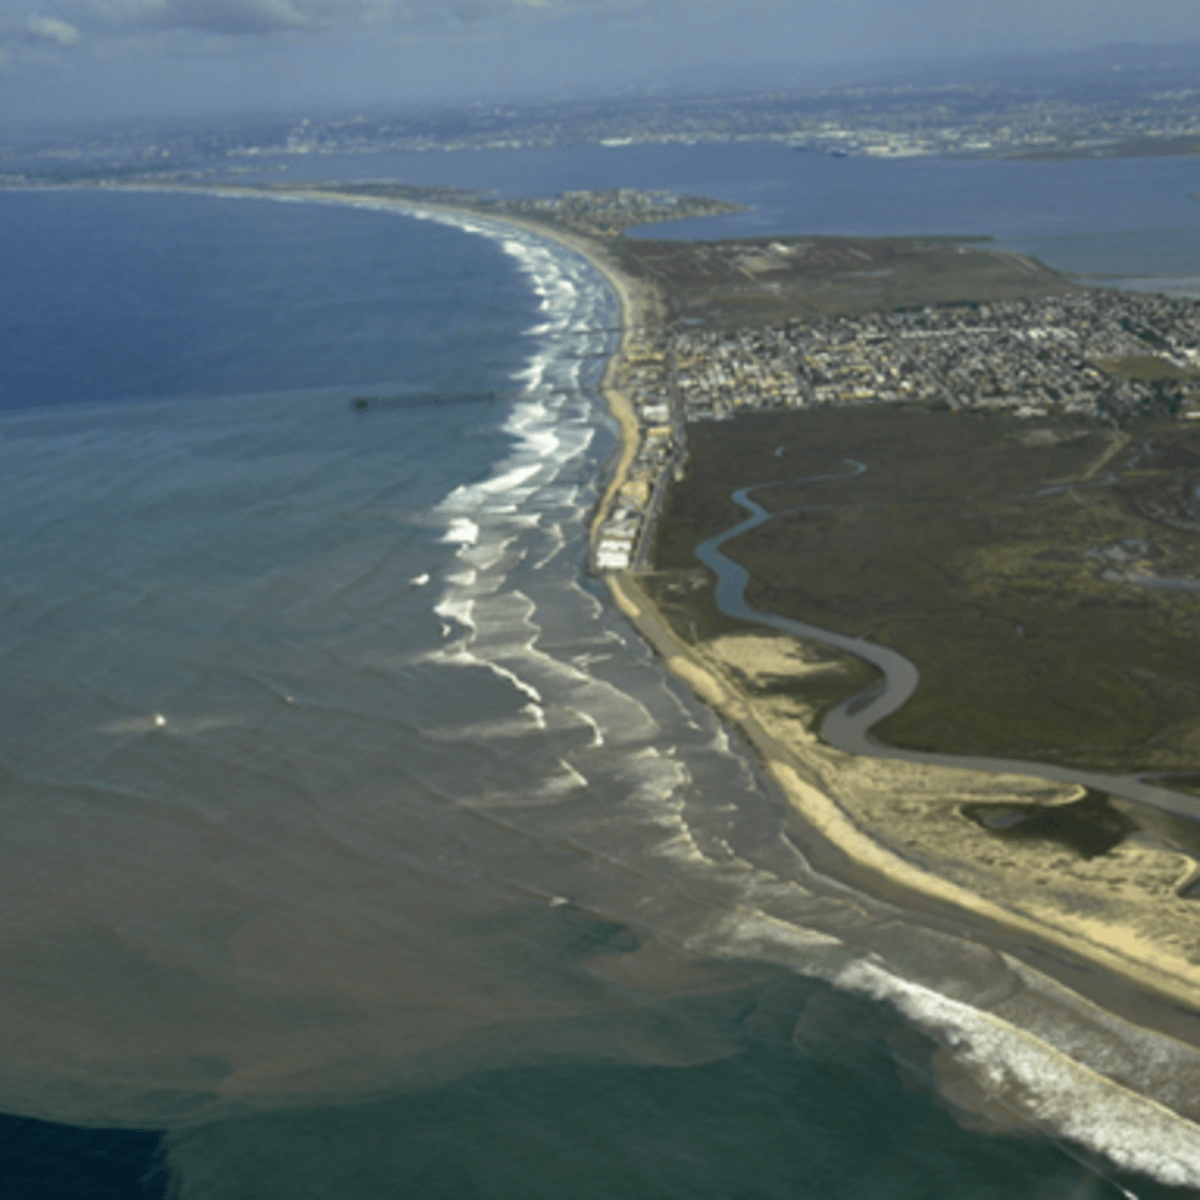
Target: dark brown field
x,y
739,282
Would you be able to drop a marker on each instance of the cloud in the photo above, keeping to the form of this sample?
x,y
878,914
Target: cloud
x,y
69,22
52,30
238,17
266,50
858,23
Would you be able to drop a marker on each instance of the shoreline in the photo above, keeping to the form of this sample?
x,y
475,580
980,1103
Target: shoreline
x,y
787,763
797,765
1103,984
1123,984
813,811
633,296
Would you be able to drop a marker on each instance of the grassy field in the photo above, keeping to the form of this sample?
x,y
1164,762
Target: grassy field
x,y
741,282
1146,369
1050,614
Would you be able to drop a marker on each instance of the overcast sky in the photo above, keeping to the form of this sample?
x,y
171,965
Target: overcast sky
x,y
79,58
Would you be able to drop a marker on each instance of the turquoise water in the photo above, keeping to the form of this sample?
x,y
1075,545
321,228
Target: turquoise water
x,y
769,1123
351,838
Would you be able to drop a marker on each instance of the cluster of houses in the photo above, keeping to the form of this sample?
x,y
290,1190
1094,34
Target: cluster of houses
x,y
648,384
1091,352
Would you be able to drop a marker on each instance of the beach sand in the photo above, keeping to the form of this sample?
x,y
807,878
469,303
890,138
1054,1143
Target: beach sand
x,y
894,823
896,826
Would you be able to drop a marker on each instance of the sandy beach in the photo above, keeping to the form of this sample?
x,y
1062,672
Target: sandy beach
x,y
820,783
1129,943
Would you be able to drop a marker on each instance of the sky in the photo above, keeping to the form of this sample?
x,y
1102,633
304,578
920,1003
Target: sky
x,y
73,59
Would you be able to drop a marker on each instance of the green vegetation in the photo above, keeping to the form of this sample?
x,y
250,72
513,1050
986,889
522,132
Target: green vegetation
x,y
1090,826
1051,616
1146,369
1183,783
687,601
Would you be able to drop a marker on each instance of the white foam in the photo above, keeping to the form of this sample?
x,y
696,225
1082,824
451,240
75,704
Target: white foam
x,y
1041,1085
178,725
766,938
523,506
462,532
511,479
560,783
571,776
517,682
558,541
593,725
459,609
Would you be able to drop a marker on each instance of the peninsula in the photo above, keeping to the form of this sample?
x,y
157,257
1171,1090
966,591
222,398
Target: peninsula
x,y
1027,442
1032,476
1048,428
1000,486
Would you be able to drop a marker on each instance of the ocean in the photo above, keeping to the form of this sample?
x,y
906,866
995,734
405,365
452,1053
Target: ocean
x,y
355,845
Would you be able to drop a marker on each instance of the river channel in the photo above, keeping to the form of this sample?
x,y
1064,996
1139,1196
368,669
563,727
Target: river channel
x,y
848,726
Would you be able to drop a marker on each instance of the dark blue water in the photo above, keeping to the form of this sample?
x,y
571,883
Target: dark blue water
x,y
349,836
41,1161
114,297
768,1125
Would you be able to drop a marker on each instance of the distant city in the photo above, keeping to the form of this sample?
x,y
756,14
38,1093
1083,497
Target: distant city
x,y
1093,354
1114,112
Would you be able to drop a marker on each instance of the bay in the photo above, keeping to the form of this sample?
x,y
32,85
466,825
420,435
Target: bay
x,y
1114,219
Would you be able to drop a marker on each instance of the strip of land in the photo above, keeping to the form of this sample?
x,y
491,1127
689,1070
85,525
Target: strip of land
x,y
901,829
891,826
849,803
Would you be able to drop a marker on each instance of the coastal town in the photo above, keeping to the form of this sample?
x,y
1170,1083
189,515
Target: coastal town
x,y
1099,354
664,693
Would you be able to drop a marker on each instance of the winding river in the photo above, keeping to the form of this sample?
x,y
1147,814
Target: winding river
x,y
848,726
